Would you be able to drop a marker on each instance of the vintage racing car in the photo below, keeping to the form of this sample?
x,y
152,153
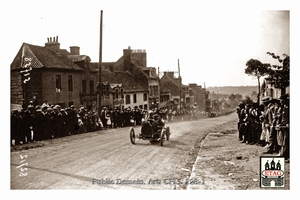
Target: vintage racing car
x,y
153,129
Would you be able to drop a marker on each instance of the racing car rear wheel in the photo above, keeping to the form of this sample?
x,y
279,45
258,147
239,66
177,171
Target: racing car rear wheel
x,y
162,137
132,135
168,133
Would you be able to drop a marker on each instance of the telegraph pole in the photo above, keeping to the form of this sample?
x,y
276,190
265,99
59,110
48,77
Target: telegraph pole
x,y
100,68
179,87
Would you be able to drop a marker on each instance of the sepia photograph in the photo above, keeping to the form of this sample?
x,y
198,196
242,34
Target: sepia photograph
x,y
148,95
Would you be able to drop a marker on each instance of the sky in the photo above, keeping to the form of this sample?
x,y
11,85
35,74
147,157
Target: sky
x,y
210,42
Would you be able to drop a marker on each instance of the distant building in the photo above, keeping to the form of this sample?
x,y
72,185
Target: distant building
x,y
143,90
169,82
268,89
191,96
199,94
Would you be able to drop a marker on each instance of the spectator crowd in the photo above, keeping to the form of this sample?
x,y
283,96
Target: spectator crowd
x,y
266,125
45,122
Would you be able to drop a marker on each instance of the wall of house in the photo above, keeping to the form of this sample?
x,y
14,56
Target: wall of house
x,y
31,91
34,87
140,100
16,90
62,96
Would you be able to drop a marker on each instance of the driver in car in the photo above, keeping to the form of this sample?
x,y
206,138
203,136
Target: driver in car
x,y
158,123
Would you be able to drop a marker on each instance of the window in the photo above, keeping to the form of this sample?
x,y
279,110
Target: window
x,y
156,90
70,83
127,99
92,87
105,90
84,86
145,96
122,93
117,93
151,91
134,98
58,81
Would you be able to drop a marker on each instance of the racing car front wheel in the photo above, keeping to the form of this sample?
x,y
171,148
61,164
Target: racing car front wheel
x,y
162,137
168,133
132,135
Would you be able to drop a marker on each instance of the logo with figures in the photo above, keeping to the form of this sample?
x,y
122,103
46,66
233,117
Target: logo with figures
x,y
272,172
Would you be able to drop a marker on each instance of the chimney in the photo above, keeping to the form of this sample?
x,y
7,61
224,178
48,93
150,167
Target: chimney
x,y
127,59
170,74
54,45
141,55
75,50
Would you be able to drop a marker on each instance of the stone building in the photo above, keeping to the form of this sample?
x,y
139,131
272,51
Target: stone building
x,y
173,84
199,94
140,83
41,73
191,95
64,78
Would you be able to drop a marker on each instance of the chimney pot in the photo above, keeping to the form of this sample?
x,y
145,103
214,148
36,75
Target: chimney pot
x,y
75,50
56,38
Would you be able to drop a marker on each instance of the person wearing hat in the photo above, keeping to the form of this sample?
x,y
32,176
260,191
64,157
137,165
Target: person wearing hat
x,y
48,124
113,117
283,127
254,123
57,122
38,125
28,124
243,123
14,128
269,114
74,127
103,117
157,124
64,117
45,104
239,111
69,127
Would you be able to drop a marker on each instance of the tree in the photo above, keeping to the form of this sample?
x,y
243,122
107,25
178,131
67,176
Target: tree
x,y
280,74
248,100
238,97
231,97
257,69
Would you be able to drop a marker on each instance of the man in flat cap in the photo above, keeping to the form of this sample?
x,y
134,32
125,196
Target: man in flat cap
x,y
283,127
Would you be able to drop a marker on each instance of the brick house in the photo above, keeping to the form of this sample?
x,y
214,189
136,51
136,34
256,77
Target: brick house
x,y
121,89
169,82
140,83
41,73
200,95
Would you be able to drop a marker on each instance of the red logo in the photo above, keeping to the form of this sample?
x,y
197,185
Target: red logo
x,y
272,173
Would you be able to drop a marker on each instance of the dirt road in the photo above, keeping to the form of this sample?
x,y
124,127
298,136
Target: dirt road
x,y
107,160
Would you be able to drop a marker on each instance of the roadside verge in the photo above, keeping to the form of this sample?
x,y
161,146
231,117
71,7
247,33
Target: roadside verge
x,y
223,163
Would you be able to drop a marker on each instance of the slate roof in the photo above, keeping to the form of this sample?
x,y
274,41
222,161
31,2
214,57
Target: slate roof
x,y
78,58
105,66
171,84
44,57
129,83
137,64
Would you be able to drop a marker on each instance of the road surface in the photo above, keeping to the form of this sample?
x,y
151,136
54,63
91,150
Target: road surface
x,y
107,160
